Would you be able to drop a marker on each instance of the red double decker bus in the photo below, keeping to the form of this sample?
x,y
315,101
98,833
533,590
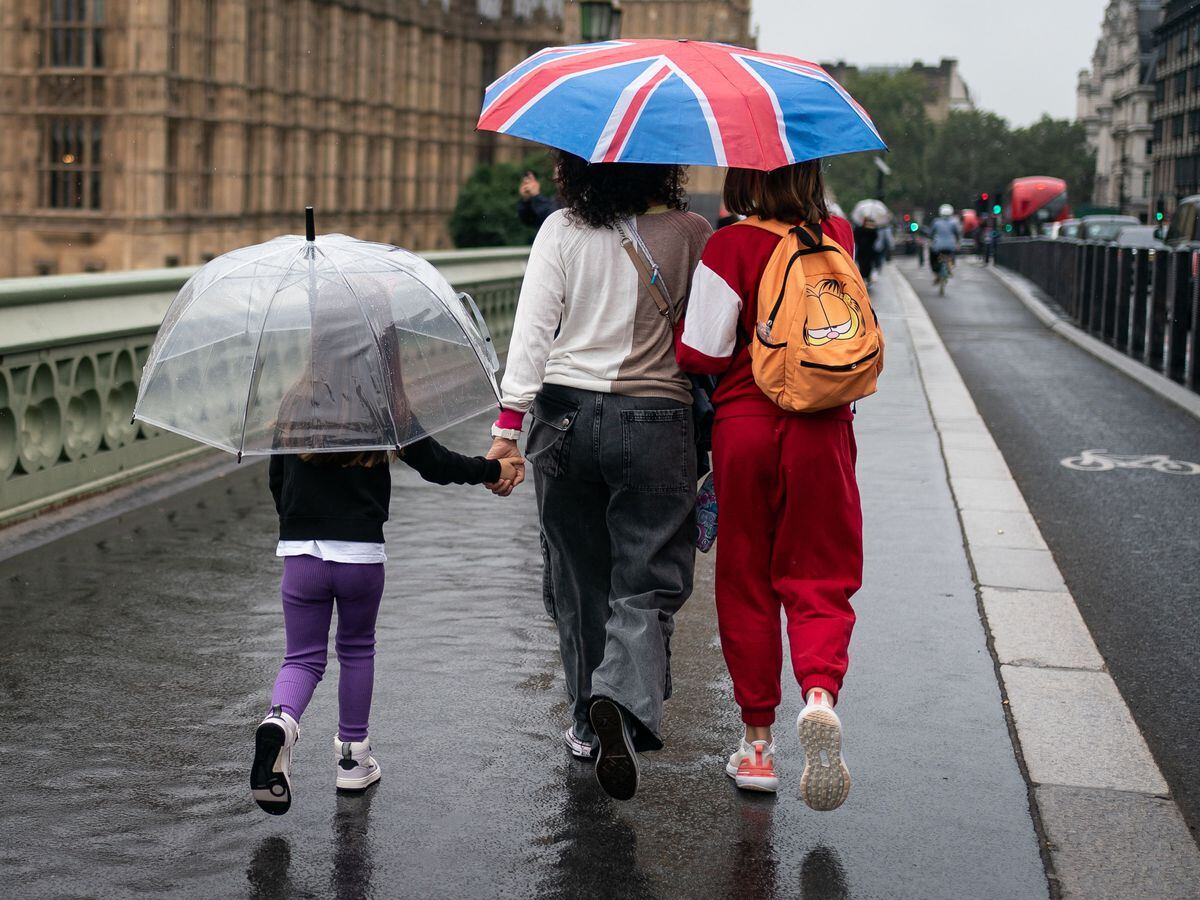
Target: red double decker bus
x,y
1030,203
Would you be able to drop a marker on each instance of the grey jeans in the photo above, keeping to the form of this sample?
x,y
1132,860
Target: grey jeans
x,y
616,490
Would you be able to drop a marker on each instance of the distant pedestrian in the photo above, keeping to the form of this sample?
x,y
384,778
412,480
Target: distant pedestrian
x,y
332,507
592,361
865,254
788,505
990,239
884,245
533,207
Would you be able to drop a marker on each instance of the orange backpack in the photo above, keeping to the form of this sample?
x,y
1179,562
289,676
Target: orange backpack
x,y
818,343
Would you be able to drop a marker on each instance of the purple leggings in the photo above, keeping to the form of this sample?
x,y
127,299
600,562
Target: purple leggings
x,y
310,588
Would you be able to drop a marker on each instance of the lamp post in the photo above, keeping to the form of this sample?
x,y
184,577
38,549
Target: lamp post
x,y
599,20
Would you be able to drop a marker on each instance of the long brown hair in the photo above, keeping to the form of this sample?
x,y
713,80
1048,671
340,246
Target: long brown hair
x,y
794,194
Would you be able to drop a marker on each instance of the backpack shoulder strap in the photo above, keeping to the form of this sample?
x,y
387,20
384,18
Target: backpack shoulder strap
x,y
811,237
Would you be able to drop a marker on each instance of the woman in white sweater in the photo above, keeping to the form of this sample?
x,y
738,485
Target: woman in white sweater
x,y
592,365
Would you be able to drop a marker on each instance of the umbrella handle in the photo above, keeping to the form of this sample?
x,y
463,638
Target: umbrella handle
x,y
310,225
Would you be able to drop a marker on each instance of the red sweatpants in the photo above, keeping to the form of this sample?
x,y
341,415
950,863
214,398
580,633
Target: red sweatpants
x,y
790,536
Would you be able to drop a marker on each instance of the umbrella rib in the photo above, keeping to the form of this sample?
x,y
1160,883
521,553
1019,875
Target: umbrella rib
x,y
400,268
150,363
262,330
378,344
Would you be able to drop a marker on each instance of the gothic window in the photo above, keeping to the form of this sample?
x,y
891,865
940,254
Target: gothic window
x,y
1177,126
1181,84
74,34
71,163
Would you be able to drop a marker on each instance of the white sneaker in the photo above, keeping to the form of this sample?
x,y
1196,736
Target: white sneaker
x,y
270,773
826,780
578,748
357,769
752,767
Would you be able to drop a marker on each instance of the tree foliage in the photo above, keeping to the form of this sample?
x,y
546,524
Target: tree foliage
x,y
953,161
485,214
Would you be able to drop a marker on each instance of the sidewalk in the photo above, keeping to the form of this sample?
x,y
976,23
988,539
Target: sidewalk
x,y
139,654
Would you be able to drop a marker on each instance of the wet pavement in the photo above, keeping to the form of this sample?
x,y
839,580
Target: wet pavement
x,y
139,653
1125,540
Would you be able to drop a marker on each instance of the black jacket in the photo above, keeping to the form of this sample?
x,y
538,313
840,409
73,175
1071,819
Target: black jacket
x,y
331,502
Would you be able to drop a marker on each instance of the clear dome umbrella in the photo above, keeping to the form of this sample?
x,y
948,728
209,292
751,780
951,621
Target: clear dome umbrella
x,y
307,344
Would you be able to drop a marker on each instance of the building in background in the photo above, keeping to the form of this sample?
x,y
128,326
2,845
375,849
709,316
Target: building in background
x,y
1114,101
1176,113
945,89
148,133
151,133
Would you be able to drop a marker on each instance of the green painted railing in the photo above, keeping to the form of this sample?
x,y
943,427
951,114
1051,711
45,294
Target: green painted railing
x,y
71,354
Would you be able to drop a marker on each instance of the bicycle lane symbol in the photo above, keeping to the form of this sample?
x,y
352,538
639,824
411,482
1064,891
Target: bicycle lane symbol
x,y
1103,461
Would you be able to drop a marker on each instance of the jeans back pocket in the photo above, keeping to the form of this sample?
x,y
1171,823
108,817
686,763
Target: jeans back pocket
x,y
656,449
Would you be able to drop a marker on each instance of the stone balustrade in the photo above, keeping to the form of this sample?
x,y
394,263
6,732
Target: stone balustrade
x,y
71,354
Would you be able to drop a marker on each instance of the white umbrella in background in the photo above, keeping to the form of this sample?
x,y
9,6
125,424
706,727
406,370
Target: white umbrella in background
x,y
871,209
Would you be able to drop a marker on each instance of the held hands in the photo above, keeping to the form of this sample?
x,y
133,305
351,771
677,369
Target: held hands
x,y
512,466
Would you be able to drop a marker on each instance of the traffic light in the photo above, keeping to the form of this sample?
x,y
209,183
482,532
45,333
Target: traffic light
x,y
996,210
914,227
984,197
1158,216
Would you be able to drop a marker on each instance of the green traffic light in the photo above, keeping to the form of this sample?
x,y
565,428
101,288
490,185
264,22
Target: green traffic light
x,y
996,210
914,227
1158,217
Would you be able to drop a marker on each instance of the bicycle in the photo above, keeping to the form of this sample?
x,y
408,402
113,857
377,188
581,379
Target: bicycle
x,y
944,269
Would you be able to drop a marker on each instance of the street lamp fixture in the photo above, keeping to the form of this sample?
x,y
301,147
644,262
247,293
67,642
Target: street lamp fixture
x,y
599,20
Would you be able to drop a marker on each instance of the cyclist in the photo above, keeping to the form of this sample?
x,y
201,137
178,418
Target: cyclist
x,y
944,235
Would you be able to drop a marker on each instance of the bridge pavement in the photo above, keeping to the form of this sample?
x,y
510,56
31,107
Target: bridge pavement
x,y
139,652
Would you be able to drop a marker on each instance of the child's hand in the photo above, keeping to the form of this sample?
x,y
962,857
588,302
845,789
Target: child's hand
x,y
512,470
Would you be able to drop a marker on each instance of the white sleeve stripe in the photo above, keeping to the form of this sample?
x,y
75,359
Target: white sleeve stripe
x,y
713,307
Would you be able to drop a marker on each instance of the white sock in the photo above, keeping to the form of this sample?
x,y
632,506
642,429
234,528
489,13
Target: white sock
x,y
819,697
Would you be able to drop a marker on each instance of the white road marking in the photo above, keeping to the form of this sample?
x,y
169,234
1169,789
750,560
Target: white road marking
x,y
1103,461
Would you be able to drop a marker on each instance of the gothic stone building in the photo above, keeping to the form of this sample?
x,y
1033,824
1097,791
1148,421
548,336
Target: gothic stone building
x,y
149,133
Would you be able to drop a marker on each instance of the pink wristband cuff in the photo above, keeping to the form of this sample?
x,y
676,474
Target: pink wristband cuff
x,y
510,418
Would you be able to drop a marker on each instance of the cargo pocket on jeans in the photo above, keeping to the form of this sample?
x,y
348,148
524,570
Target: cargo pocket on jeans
x,y
656,445
550,435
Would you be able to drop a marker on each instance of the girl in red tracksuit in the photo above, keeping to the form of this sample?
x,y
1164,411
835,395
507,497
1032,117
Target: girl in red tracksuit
x,y
789,513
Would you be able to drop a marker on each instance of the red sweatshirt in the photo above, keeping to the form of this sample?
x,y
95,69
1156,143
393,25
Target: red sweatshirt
x,y
724,296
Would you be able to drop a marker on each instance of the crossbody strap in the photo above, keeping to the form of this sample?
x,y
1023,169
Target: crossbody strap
x,y
647,271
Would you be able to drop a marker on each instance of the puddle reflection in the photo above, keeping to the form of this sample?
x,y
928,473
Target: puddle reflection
x,y
753,862
822,876
599,849
268,871
352,866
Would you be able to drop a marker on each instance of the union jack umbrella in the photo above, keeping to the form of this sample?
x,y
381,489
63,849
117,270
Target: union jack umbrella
x,y
680,102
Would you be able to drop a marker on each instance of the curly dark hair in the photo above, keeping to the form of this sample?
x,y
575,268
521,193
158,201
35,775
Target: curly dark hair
x,y
602,194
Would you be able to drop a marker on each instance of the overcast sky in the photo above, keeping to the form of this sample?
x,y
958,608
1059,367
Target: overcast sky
x,y
1020,58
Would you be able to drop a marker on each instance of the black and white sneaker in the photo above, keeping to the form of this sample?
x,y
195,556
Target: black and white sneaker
x,y
357,769
270,783
578,748
616,760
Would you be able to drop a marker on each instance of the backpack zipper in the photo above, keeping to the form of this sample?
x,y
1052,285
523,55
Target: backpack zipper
x,y
846,368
